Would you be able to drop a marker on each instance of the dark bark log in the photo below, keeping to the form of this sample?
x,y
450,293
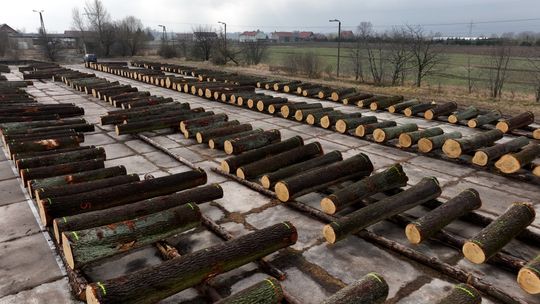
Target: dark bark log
x,y
61,169
320,178
290,88
371,289
511,163
18,156
315,117
413,110
84,127
363,130
338,94
279,86
38,136
152,284
385,103
353,98
289,110
231,164
60,158
386,134
481,120
407,140
500,232
205,136
120,117
391,178
429,144
330,119
264,104
440,110
462,294
346,124
219,142
202,122
484,156
239,145
366,102
454,148
430,224
267,291
275,162
270,179
107,216
468,113
427,189
5,119
515,122
43,145
301,115
169,122
192,132
529,276
9,128
311,92
275,108
117,195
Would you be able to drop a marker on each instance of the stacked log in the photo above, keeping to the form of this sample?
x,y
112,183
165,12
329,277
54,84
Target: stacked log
x,y
518,121
330,119
372,288
290,109
466,114
301,115
399,107
267,291
454,148
440,110
363,130
419,108
338,94
355,97
484,156
385,103
239,145
346,124
202,122
386,134
61,169
158,123
536,134
219,142
512,162
428,144
407,140
215,131
481,120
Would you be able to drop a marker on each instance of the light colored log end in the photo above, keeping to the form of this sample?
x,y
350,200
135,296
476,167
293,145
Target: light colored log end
x,y
117,130
405,140
328,206
536,170
360,131
473,123
271,109
68,253
310,119
452,148
341,126
285,111
392,109
56,230
413,234
474,253
321,95
45,219
211,144
298,115
225,166
503,126
452,119
408,112
265,182
379,135
250,103
508,164
260,106
325,122
329,234
425,145
373,106
228,147
529,280
334,96
480,158
282,191
199,137
183,126
91,296
240,173
536,134
429,115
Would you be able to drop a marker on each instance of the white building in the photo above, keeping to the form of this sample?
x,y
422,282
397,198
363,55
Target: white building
x,y
252,36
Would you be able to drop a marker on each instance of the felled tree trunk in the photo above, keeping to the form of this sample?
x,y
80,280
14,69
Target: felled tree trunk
x,y
428,144
61,169
462,294
301,115
205,135
481,120
386,134
518,121
192,132
314,118
289,110
155,283
371,289
440,110
466,114
202,122
60,158
454,148
484,156
511,163
499,233
255,141
219,142
159,123
413,110
402,106
329,120
343,125
354,98
529,276
407,140
337,95
363,130
267,291
43,144
385,103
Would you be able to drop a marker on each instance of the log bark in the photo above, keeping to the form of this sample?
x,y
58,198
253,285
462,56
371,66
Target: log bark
x,y
205,135
43,145
117,195
169,122
407,140
330,119
462,294
421,107
267,291
152,284
5,119
484,156
353,98
529,276
511,163
127,114
454,148
427,189
13,127
518,121
386,134
320,178
366,102
269,180
84,127
264,104
440,110
434,221
276,107
86,246
500,232
231,164
391,178
18,156
202,122
239,145
219,142
346,124
338,94
385,103
60,158
61,169
290,110
428,144
107,216
315,117
280,86
275,162
363,130
485,119
465,114
301,115
37,136
371,289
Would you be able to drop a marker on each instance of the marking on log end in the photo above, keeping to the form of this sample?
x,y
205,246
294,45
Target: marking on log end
x,y
75,235
468,292
102,287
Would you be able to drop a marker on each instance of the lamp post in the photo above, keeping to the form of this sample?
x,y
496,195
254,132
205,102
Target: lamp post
x,y
338,42
40,12
225,33
164,32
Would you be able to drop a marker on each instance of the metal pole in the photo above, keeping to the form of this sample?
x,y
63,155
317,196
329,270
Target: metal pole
x,y
338,47
225,34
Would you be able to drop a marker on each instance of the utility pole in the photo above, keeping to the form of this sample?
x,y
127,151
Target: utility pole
x,y
164,37
469,76
225,33
338,42
40,12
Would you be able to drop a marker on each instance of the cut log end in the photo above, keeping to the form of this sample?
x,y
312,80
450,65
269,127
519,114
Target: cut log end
x,y
373,106
508,164
329,234
392,109
503,126
260,106
408,112
298,115
43,214
413,234
211,144
240,173
328,206
452,119
529,280
425,145
474,253
429,115
91,296
480,158
57,235
117,130
536,134
360,131
199,138
473,123
310,120
452,148
68,253
228,147
379,135
325,122
282,191
285,111
341,126
334,96
265,182
225,166
405,140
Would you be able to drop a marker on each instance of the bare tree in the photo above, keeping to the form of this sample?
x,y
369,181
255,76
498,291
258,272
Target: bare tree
x,y
79,25
254,51
534,63
399,54
424,54
205,40
497,62
51,46
100,22
363,32
130,35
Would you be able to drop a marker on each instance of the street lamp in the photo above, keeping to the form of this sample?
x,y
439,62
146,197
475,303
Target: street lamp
x,y
41,19
225,31
338,42
164,32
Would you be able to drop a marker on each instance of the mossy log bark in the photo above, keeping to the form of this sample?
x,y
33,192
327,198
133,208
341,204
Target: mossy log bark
x,y
263,104
385,103
127,114
511,163
203,136
529,276
338,94
270,179
107,216
163,123
290,110
329,120
371,289
219,142
267,291
425,190
440,110
202,121
484,156
61,169
152,284
192,132
397,108
231,164
301,115
485,119
499,233
454,148
391,178
466,114
435,220
462,294
320,178
38,136
276,108
386,134
43,145
428,144
419,108
273,163
60,158
515,122
407,140
363,130
239,145
83,247
315,117
346,124
355,97
118,195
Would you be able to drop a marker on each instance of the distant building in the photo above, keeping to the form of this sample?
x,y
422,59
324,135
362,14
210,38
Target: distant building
x,y
347,35
184,36
205,35
252,36
283,37
305,36
4,28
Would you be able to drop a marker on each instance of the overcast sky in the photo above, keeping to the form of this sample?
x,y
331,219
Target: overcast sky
x,y
283,15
